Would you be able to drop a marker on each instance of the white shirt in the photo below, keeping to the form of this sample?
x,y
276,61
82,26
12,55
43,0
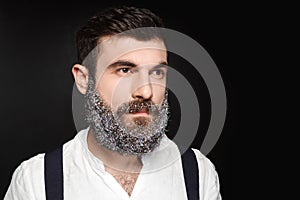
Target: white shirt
x,y
85,178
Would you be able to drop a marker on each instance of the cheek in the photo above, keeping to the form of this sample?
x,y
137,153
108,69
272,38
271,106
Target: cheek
x,y
158,93
104,88
113,91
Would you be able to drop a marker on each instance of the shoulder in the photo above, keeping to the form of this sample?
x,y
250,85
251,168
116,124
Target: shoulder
x,y
203,161
34,166
208,177
27,179
206,167
30,167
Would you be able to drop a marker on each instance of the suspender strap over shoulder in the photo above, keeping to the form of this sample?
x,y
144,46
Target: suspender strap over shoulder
x,y
191,174
54,174
53,168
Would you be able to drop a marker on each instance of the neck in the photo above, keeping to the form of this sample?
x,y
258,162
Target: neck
x,y
113,159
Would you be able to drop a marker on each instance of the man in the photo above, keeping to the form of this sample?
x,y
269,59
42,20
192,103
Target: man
x,y
124,153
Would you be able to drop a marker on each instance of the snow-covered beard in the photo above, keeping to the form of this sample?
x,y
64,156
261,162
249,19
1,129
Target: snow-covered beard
x,y
134,137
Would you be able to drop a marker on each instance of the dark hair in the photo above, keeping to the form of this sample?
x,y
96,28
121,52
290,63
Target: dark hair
x,y
113,21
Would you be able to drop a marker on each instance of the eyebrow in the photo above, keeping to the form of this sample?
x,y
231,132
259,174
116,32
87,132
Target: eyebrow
x,y
161,65
122,63
131,64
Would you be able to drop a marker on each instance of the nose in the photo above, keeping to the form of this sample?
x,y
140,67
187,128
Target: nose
x,y
143,90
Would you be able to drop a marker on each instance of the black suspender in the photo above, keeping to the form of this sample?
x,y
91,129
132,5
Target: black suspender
x,y
53,168
54,174
191,174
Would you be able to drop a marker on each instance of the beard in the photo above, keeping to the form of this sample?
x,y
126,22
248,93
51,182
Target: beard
x,y
117,131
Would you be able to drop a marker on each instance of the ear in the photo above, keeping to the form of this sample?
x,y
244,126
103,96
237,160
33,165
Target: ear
x,y
81,76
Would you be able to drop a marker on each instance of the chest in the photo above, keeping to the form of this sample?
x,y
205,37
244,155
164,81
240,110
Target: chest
x,y
126,180
165,184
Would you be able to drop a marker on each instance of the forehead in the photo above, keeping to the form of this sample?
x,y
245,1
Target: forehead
x,y
140,52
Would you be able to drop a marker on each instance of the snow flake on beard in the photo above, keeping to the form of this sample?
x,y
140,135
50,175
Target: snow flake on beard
x,y
110,131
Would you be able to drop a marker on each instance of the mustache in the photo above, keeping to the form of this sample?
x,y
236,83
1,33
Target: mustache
x,y
136,106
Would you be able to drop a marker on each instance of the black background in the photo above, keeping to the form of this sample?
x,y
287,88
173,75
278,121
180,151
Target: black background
x,y
38,50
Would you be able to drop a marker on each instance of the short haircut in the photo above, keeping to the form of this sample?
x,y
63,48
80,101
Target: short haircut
x,y
112,21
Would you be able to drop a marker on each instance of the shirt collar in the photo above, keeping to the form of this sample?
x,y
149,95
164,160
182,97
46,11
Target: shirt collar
x,y
161,157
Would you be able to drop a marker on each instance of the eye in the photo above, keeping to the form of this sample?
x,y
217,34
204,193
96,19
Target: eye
x,y
124,71
158,73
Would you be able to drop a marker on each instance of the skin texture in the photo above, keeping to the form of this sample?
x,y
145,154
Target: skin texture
x,y
126,179
127,70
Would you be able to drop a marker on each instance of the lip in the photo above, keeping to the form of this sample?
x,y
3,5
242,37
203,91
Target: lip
x,y
140,113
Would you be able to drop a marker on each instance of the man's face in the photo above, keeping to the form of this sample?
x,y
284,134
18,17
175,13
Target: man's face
x,y
130,70
126,103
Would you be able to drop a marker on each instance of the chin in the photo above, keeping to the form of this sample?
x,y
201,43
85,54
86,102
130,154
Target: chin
x,y
134,120
142,120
